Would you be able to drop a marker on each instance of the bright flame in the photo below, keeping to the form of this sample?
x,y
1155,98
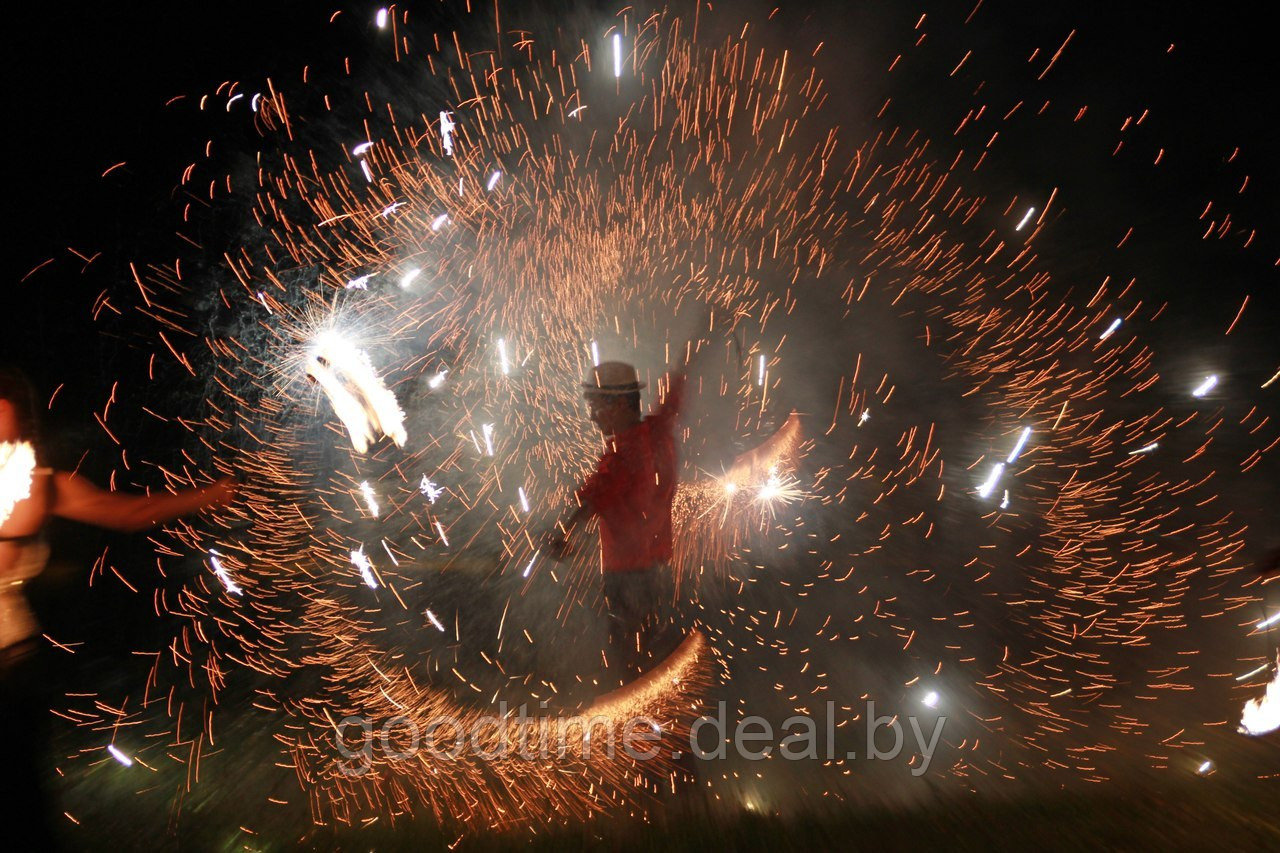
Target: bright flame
x,y
1261,716
359,398
17,464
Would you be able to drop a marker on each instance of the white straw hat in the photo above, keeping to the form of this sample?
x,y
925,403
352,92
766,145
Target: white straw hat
x,y
611,377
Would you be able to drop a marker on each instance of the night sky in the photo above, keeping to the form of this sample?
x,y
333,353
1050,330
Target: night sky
x,y
96,159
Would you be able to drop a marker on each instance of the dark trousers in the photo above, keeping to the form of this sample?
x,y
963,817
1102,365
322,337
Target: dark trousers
x,y
633,603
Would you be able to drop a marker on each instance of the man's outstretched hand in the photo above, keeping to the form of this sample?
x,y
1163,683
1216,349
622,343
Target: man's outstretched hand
x,y
222,492
555,544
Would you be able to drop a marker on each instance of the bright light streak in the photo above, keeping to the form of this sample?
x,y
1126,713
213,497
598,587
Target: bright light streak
x,y
253,104
370,499
864,417
17,465
119,756
1017,448
1261,716
434,620
524,500
430,489
1004,502
233,99
502,356
1251,673
359,283
220,572
493,181
985,490
930,699
529,567
760,369
381,19
439,222
387,548
1206,386
1205,768
573,112
1268,622
361,149
368,173
487,431
440,530
437,380
595,354
408,277
446,132
1110,330
361,562
617,54
1026,217
1147,449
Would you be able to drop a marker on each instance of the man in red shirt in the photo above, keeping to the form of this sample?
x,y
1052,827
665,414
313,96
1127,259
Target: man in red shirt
x,y
631,492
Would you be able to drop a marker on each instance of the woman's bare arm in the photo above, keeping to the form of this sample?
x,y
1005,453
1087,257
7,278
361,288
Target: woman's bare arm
x,y
76,498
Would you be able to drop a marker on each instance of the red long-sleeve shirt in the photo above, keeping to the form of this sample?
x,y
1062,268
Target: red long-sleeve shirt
x,y
633,485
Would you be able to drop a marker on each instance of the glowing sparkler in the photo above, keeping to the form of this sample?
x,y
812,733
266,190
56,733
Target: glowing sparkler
x,y
493,181
118,755
362,562
617,55
1110,330
502,356
986,488
434,620
1026,217
446,132
1206,386
370,498
1017,448
222,574
430,489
